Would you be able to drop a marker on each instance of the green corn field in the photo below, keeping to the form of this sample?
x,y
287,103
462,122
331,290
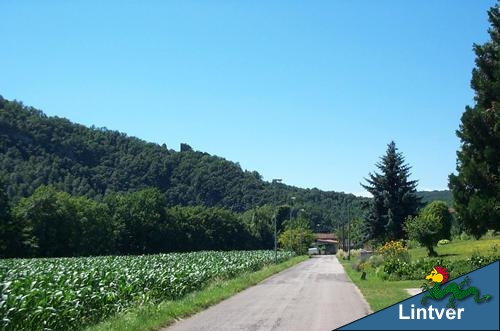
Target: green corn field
x,y
71,293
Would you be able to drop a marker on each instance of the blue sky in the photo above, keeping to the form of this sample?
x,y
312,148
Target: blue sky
x,y
307,91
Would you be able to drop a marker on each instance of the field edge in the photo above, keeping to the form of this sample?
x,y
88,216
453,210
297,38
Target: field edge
x,y
157,316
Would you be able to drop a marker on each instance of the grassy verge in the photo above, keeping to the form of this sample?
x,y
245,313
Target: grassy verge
x,y
379,293
153,317
460,249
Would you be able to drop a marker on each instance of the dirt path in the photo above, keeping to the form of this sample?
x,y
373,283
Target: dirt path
x,y
313,295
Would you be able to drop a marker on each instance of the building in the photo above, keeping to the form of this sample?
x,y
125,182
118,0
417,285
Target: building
x,y
326,242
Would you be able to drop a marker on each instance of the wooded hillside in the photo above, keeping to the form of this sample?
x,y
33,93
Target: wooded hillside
x,y
36,149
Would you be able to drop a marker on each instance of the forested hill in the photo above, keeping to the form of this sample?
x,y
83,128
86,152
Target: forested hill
x,y
36,149
428,196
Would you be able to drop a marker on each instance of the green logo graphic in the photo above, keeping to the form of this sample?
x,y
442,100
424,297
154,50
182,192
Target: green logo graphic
x,y
439,275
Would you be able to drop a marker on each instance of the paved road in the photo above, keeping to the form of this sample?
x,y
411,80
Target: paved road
x,y
313,295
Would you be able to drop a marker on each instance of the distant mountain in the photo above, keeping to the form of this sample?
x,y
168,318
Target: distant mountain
x,y
36,149
429,196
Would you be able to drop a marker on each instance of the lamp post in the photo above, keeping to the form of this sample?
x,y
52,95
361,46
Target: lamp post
x,y
291,209
343,231
277,180
349,232
300,229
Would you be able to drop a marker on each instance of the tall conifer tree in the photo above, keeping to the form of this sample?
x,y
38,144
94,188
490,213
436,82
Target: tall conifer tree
x,y
476,186
394,196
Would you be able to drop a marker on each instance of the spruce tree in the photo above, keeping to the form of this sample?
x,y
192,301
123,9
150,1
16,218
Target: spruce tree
x,y
476,186
394,197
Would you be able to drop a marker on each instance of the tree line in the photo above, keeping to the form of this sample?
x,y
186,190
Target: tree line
x,y
36,149
69,190
52,223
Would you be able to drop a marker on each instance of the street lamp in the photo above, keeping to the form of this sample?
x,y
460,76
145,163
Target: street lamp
x,y
300,229
291,209
277,180
349,232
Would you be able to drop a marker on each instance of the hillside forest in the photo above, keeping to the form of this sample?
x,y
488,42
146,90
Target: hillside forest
x,y
71,190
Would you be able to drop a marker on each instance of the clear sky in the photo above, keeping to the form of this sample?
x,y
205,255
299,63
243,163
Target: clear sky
x,y
307,91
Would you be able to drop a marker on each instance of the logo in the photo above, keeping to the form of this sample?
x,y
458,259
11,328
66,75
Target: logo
x,y
439,275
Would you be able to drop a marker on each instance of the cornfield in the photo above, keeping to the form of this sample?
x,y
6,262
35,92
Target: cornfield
x,y
71,293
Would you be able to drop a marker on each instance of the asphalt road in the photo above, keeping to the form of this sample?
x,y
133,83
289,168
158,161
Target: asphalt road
x,y
313,295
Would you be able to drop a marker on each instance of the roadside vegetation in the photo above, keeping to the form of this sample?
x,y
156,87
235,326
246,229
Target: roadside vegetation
x,y
406,237
155,316
400,265
71,293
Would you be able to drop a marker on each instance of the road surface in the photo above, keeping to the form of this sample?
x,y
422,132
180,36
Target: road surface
x,y
313,295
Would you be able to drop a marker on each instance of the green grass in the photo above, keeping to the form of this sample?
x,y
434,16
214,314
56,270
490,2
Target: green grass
x,y
460,249
153,317
381,293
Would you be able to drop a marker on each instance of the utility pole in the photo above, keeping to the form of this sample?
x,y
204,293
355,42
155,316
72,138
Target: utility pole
x,y
349,232
291,209
343,231
278,180
300,229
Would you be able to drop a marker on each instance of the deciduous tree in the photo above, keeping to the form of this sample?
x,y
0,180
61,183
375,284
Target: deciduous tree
x,y
432,224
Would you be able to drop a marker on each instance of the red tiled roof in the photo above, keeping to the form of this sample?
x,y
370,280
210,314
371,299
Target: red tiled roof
x,y
330,236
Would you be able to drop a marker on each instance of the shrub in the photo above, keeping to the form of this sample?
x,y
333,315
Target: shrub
x,y
395,267
359,265
490,234
396,259
355,253
398,270
476,260
379,272
394,250
443,242
391,248
464,236
375,260
412,244
341,254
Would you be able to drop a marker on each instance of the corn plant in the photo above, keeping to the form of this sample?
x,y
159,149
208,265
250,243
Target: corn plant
x,y
71,293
